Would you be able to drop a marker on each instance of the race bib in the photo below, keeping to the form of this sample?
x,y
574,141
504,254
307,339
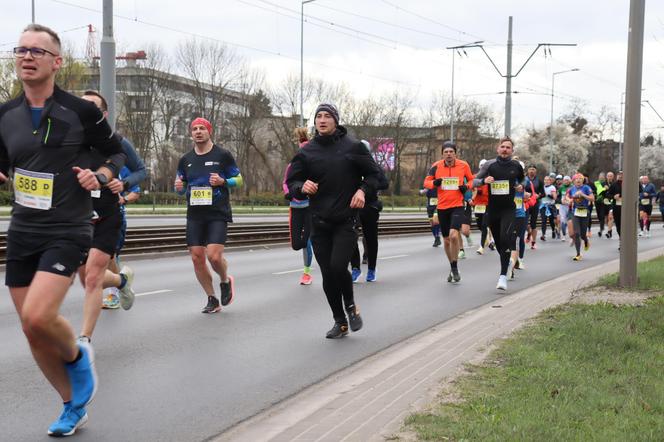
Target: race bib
x,y
95,193
607,202
33,189
200,196
645,201
518,201
433,201
500,187
480,208
618,202
450,183
581,212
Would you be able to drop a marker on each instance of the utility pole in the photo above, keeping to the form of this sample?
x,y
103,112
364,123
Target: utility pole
x,y
628,248
508,82
107,69
508,76
455,49
553,79
33,11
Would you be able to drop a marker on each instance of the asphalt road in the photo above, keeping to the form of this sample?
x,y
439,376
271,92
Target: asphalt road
x,y
169,373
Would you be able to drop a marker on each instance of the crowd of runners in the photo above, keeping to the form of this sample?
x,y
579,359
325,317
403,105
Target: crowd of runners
x,y
72,176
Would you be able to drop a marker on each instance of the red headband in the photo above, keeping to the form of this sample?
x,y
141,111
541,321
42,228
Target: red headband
x,y
201,121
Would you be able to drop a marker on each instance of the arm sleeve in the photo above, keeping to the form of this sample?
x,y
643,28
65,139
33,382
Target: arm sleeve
x,y
232,173
134,164
428,180
100,136
483,173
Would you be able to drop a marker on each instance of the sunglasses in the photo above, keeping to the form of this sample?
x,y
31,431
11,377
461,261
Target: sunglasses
x,y
22,51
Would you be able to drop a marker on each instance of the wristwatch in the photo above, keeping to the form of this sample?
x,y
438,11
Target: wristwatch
x,y
101,178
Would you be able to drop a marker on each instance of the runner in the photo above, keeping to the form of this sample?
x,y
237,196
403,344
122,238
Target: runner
x,y
447,175
522,200
548,210
647,193
615,194
205,174
533,212
563,208
467,219
299,218
335,172
45,137
582,196
600,188
503,175
432,203
480,202
368,217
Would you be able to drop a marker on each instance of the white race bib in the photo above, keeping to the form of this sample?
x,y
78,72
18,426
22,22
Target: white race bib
x,y
581,212
95,193
618,202
450,183
500,187
33,189
480,208
433,201
200,196
607,202
645,201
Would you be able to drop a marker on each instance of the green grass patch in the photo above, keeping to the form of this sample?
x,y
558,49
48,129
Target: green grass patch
x,y
579,372
650,276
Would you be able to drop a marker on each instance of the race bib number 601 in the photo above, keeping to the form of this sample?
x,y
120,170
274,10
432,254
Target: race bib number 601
x,y
200,196
33,189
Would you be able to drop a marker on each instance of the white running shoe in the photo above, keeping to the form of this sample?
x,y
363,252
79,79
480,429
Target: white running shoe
x,y
641,234
127,294
480,250
502,282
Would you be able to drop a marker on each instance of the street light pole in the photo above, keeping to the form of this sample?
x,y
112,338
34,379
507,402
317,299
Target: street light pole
x,y
456,48
553,79
302,60
33,11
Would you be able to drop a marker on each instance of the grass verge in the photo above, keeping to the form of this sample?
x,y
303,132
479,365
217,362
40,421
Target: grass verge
x,y
650,274
577,372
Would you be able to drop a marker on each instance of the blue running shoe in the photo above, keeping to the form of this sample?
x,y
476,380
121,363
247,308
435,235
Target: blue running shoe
x,y
82,376
69,421
355,274
371,275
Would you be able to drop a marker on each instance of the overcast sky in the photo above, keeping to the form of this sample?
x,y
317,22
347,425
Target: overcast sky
x,y
379,45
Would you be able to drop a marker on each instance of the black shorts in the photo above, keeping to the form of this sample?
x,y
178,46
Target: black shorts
x,y
450,219
28,253
202,233
107,233
430,211
533,214
467,214
647,209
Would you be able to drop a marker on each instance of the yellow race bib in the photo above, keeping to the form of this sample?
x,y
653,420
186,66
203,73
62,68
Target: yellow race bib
x,y
200,196
500,187
433,201
450,183
645,201
518,201
480,208
581,212
33,189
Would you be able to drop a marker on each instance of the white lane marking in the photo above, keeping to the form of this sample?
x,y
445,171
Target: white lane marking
x,y
154,292
394,257
290,271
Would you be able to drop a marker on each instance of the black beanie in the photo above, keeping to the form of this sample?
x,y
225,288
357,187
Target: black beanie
x,y
329,108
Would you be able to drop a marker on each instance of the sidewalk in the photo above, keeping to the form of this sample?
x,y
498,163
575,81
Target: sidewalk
x,y
369,400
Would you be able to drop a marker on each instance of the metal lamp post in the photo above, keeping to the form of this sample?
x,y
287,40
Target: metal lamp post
x,y
454,49
553,79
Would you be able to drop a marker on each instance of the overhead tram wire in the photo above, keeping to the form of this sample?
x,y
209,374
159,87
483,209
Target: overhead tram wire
x,y
239,45
59,32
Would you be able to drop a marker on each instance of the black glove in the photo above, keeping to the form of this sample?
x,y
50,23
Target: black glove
x,y
437,182
463,189
288,196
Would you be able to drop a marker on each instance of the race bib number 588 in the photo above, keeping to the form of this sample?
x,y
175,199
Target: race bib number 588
x,y
33,189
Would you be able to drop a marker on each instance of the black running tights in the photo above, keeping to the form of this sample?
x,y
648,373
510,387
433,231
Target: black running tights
x,y
580,224
333,247
501,223
300,226
369,219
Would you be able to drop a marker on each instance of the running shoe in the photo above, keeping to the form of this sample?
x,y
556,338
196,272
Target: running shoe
x,y
502,283
480,251
436,242
82,376
577,258
127,294
354,318
586,245
355,274
648,234
337,331
212,305
609,234
543,238
111,301
227,291
462,254
512,275
469,240
371,275
492,245
455,275
533,246
84,338
601,233
521,264
306,279
562,238
70,420
641,233
450,277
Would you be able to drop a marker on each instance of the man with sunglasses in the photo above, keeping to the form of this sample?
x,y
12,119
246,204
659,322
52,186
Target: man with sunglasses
x,y
46,137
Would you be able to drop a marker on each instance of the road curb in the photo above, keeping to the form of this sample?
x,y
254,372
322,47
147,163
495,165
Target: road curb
x,y
369,400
